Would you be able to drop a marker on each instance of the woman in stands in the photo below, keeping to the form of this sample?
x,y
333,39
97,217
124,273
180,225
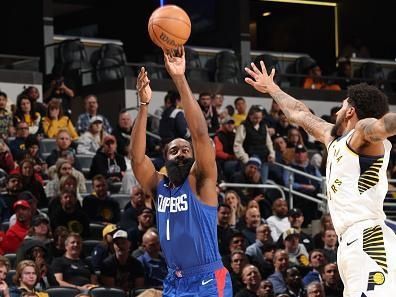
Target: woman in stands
x,y
25,112
56,120
234,201
92,139
4,268
25,279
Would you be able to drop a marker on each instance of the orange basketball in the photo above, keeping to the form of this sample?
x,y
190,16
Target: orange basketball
x,y
169,26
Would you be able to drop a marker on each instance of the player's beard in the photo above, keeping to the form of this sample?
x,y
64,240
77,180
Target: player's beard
x,y
178,170
336,131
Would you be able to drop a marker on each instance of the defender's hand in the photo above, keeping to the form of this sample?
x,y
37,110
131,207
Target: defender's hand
x,y
143,86
175,61
260,80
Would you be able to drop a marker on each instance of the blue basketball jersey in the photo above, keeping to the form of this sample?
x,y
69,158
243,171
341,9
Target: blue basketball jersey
x,y
187,227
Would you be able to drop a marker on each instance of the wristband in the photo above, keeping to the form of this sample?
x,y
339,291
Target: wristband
x,y
144,103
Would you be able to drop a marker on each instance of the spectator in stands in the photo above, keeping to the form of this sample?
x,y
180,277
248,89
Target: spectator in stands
x,y
16,233
209,112
17,146
278,222
315,81
4,268
240,107
224,142
250,174
30,182
238,261
108,162
315,289
13,188
304,184
26,277
145,221
281,263
344,73
325,223
155,121
263,237
26,195
6,159
57,247
72,271
173,123
294,138
32,148
294,284
91,110
298,255
56,120
92,139
253,139
283,125
283,155
70,215
316,261
232,198
122,132
252,221
217,103
99,206
331,280
131,210
237,242
330,247
296,219
58,89
272,118
6,120
25,112
224,229
64,168
104,249
265,289
121,270
40,229
153,261
34,94
251,277
64,147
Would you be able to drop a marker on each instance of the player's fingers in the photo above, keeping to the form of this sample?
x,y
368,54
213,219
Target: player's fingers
x,y
249,81
143,86
263,68
182,52
250,72
255,69
272,73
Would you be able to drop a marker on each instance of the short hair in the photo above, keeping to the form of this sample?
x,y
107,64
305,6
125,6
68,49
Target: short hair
x,y
239,99
63,130
21,266
74,235
315,251
223,205
89,96
204,94
368,101
253,109
172,97
3,94
98,177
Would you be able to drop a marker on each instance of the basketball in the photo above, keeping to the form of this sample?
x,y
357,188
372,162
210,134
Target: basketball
x,y
169,26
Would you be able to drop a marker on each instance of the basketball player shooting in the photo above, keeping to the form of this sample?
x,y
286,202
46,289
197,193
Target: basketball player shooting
x,y
358,156
186,199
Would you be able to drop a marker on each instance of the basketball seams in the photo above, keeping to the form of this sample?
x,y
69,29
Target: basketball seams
x,y
170,18
168,33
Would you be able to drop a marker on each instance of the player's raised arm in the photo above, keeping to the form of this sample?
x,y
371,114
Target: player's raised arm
x,y
204,152
142,166
295,110
375,130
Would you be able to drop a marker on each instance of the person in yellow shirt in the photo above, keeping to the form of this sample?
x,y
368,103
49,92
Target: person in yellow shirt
x,y
25,112
55,120
240,107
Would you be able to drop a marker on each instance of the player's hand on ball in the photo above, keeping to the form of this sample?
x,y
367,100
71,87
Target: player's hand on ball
x,y
175,61
259,79
143,86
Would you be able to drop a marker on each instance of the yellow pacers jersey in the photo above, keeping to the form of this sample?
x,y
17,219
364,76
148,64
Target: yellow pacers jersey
x,y
356,184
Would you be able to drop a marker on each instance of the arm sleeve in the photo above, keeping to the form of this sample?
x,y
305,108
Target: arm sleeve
x,y
270,145
220,154
238,144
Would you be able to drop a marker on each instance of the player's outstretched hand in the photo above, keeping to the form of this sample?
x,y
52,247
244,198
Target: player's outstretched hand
x,y
259,79
175,62
143,86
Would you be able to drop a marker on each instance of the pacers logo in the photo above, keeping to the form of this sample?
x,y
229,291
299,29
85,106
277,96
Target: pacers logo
x,y
376,278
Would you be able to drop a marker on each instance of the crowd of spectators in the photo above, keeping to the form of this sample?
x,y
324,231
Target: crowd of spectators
x,y
50,203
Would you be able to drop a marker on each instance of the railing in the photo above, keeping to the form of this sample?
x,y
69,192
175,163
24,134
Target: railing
x,y
259,186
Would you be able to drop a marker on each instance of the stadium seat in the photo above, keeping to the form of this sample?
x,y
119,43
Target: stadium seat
x,y
85,161
47,145
88,186
298,69
88,245
108,62
10,275
194,69
122,199
227,67
12,258
95,231
270,62
62,291
106,292
5,225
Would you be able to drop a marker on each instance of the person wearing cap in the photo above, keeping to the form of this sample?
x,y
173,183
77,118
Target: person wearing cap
x,y
91,140
296,219
297,252
16,233
121,270
224,142
304,184
29,197
99,206
13,188
186,194
252,139
103,249
56,120
64,147
91,109
107,161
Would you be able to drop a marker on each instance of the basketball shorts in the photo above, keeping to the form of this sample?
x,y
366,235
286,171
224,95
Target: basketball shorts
x,y
367,260
212,280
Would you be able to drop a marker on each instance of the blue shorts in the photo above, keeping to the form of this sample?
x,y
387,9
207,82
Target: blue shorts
x,y
211,280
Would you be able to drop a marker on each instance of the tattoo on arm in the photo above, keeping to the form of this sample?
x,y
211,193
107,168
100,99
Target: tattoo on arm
x,y
390,123
288,104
